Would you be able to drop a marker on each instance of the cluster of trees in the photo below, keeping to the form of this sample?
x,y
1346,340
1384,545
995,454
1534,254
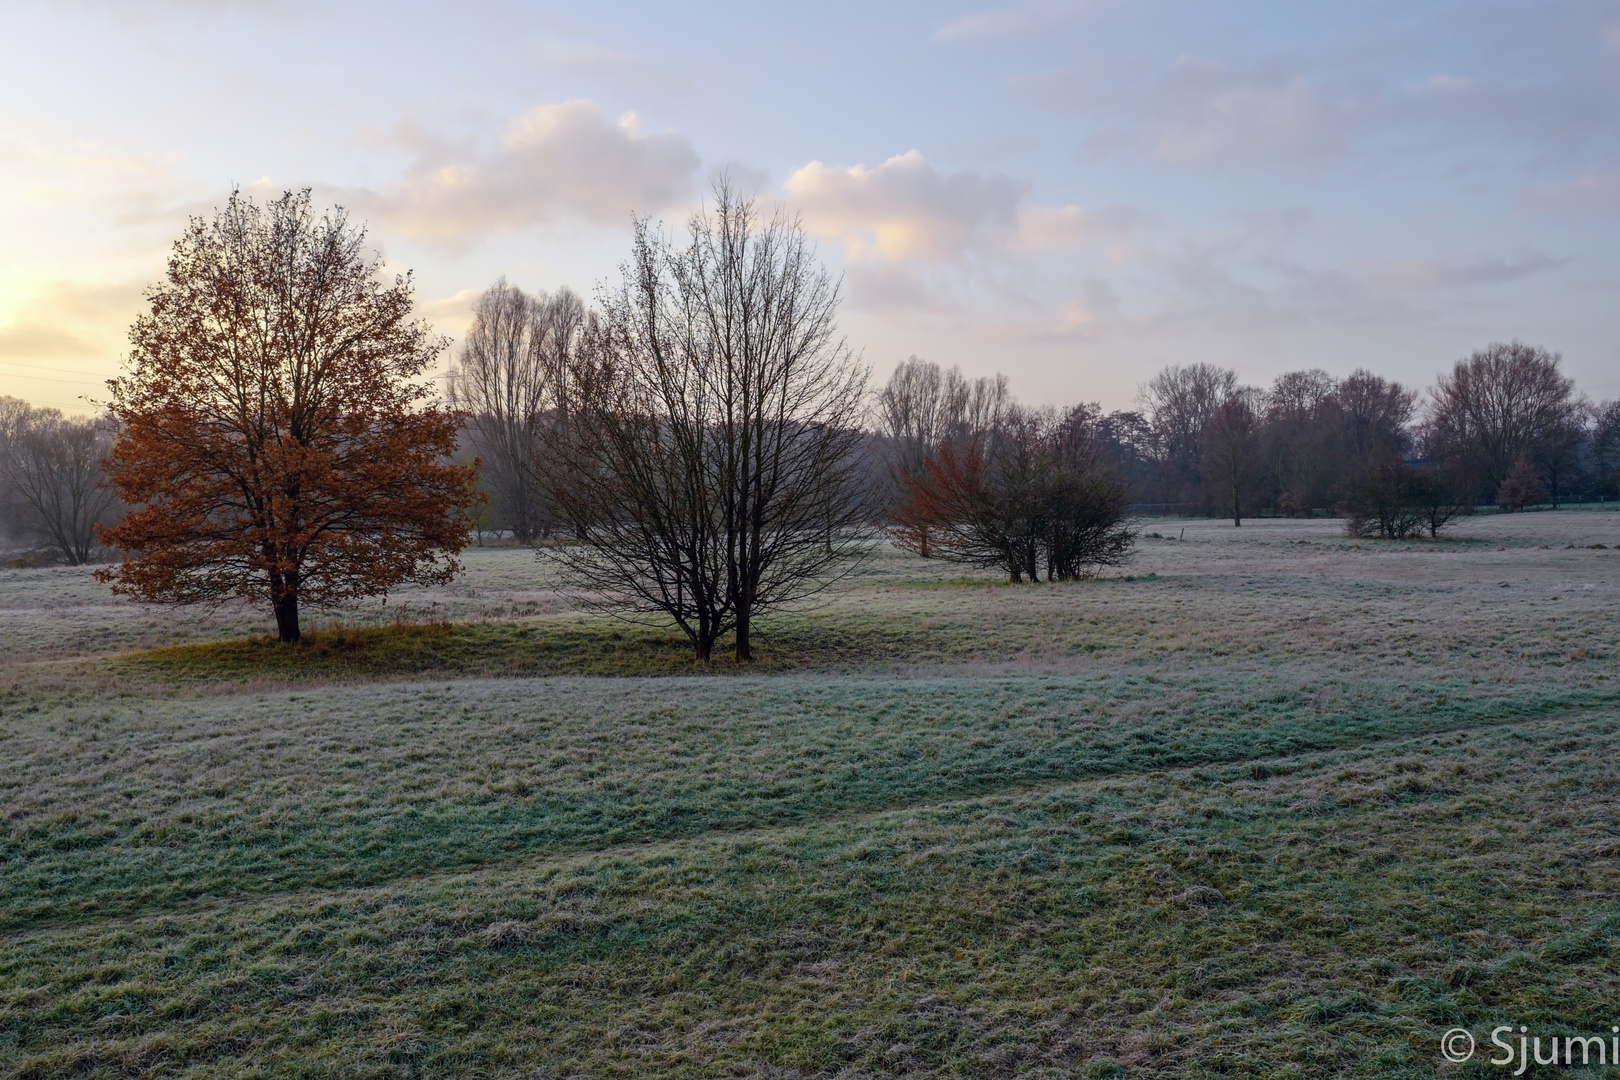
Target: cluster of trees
x,y
1503,427
52,495
977,478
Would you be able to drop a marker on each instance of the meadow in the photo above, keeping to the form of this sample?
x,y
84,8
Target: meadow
x,y
1264,802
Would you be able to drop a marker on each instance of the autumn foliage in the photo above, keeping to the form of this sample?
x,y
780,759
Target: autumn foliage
x,y
1015,489
272,440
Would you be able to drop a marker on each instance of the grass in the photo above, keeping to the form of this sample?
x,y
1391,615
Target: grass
x,y
1285,808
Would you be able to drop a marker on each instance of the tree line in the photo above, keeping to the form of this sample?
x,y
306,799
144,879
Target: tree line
x,y
1504,427
700,445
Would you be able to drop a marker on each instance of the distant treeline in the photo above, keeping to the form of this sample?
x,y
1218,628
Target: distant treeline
x,y
958,468
1504,428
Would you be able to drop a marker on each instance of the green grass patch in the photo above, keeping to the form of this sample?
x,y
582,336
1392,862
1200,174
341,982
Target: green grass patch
x,y
1329,918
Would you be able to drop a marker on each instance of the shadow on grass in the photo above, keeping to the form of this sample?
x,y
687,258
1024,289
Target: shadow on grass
x,y
579,646
442,648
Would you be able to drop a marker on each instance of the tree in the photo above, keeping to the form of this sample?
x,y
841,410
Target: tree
x,y
1497,407
1018,485
271,436
516,350
52,466
921,410
1085,497
1296,433
1231,455
707,456
1520,489
915,411
1606,445
1180,401
1560,448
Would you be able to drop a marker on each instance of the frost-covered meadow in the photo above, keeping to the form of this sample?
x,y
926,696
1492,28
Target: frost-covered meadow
x,y
1265,801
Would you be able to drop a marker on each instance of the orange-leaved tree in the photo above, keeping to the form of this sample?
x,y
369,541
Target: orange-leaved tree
x,y
271,437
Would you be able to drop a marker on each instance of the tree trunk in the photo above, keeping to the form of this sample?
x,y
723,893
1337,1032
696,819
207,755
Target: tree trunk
x,y
745,650
923,550
286,608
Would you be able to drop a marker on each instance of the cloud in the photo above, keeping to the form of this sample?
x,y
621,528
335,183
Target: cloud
x,y
1197,112
921,238
554,162
1595,193
905,210
1060,228
1208,114
451,314
1011,21
1441,274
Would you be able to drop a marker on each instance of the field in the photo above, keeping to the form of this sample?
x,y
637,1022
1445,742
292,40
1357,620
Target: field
x,y
1264,802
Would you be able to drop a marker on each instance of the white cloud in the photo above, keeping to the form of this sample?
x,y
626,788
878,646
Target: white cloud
x,y
72,320
905,210
917,237
554,161
1060,228
451,314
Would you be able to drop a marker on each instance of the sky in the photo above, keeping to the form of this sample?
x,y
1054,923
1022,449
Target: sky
x,y
1073,193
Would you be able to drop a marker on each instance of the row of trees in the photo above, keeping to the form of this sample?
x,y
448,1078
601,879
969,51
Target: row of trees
x,y
1504,427
699,442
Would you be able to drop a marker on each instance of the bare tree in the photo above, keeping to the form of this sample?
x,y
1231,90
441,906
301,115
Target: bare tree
x,y
1560,448
507,384
1296,435
1180,400
1606,445
1085,498
1232,451
915,411
1521,488
921,410
52,466
1497,406
707,454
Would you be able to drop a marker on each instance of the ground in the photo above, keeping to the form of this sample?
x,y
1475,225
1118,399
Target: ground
x,y
1264,802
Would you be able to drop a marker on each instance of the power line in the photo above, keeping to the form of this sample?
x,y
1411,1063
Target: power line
x,y
38,378
43,367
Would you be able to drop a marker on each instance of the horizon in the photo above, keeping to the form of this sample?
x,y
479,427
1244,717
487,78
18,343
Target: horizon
x,y
1076,194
